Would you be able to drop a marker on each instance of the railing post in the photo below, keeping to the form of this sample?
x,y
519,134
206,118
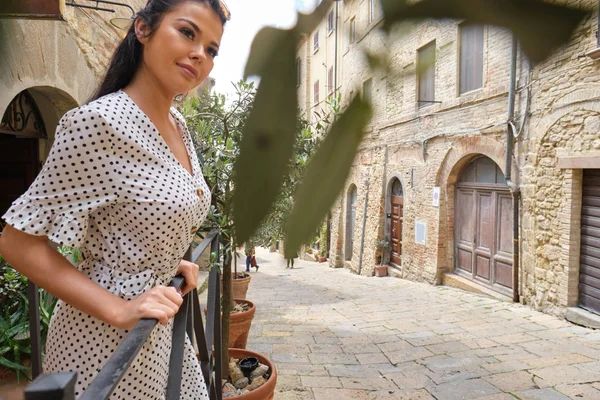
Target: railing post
x,y
34,329
59,386
177,351
214,331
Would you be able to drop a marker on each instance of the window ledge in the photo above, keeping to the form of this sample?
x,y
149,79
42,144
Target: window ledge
x,y
330,32
315,50
594,54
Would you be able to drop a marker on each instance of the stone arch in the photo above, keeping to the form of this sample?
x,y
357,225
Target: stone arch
x,y
62,65
458,156
28,128
583,97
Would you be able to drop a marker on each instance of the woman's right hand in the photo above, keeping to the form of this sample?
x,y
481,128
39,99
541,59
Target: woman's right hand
x,y
160,302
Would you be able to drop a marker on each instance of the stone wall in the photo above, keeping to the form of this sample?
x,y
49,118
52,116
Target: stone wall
x,y
564,122
557,117
416,139
60,62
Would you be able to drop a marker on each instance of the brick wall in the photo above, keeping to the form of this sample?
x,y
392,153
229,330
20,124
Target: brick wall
x,y
557,116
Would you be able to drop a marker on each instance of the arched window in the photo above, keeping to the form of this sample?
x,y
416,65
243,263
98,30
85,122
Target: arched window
x,y
482,170
396,187
350,220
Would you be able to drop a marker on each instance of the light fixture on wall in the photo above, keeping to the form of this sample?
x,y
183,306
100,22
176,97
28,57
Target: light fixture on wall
x,y
121,23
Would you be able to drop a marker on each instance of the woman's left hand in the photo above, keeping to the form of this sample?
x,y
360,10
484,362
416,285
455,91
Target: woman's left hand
x,y
189,270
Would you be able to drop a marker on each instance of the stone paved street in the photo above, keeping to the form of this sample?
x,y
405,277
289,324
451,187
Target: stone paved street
x,y
336,335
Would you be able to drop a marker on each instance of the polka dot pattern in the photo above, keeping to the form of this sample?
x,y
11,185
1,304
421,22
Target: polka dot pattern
x,y
112,187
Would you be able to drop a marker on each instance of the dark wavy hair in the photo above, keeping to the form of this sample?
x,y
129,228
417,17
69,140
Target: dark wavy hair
x,y
128,55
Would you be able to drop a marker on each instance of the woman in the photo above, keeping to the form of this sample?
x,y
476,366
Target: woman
x,y
122,182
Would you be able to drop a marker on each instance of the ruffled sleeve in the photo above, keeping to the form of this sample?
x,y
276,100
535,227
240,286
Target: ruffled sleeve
x,y
76,180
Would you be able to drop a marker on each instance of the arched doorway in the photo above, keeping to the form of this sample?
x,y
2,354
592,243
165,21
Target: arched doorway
x,y
21,128
350,221
483,225
396,219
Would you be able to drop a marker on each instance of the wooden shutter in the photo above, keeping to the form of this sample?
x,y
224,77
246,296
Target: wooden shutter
x,y
426,71
330,80
316,92
316,41
471,57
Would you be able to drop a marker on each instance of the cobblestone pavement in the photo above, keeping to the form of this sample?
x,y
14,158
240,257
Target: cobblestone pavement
x,y
336,335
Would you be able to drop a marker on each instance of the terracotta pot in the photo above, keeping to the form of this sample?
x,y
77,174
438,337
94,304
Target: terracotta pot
x,y
266,391
239,287
322,259
239,325
381,270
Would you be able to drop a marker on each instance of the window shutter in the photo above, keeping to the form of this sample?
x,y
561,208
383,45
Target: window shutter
x,y
330,80
426,70
316,92
471,57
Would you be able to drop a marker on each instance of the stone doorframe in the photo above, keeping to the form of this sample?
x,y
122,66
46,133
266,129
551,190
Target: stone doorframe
x,y
388,204
462,152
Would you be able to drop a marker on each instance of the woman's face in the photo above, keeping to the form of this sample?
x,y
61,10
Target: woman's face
x,y
180,53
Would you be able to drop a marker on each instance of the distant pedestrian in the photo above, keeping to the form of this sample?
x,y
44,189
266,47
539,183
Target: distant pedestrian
x,y
291,261
249,256
253,262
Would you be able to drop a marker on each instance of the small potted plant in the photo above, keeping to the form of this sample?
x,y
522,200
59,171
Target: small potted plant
x,y
383,247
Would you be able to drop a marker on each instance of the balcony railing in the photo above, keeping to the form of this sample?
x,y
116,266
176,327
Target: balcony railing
x,y
61,386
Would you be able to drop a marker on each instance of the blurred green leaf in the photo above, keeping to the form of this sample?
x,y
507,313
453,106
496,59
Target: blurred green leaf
x,y
539,26
326,175
268,135
377,61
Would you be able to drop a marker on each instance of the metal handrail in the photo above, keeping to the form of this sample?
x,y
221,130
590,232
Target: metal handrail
x,y
61,386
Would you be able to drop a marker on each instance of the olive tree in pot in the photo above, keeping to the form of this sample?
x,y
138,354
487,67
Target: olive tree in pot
x,y
216,132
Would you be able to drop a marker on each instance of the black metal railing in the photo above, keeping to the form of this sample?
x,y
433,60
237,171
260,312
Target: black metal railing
x,y
61,386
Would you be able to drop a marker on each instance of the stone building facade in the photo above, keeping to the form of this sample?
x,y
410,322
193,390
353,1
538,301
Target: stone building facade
x,y
47,67
433,173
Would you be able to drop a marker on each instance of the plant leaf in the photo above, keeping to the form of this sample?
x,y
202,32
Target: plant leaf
x,y
18,331
268,135
326,175
539,26
12,365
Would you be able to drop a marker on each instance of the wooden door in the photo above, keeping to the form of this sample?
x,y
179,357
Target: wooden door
x,y
503,254
483,222
396,229
589,264
464,229
484,240
483,236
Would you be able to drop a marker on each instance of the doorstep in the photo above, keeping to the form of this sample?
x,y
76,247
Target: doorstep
x,y
579,316
459,282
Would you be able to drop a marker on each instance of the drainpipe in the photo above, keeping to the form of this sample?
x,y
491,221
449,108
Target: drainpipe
x,y
514,189
335,61
364,224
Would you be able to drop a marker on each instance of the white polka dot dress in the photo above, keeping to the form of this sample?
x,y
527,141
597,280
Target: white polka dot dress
x,y
112,187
